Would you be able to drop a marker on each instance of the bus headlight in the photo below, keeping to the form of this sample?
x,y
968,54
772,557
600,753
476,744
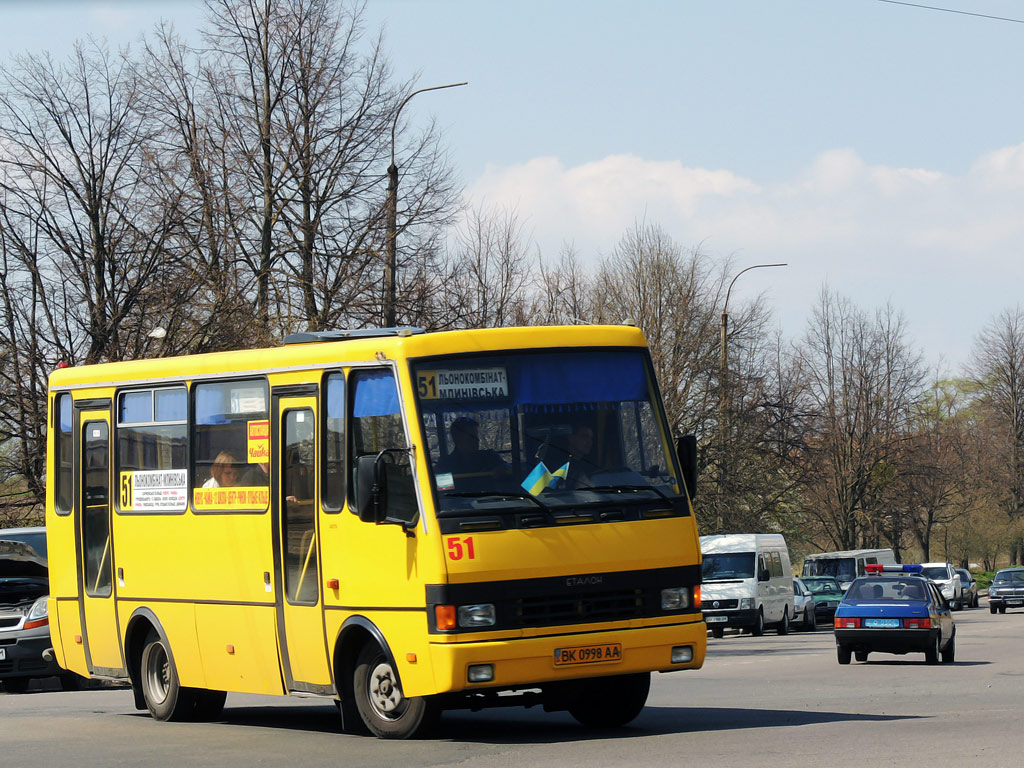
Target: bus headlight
x,y
675,599
479,615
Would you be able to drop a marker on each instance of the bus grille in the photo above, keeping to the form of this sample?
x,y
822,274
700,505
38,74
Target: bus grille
x,y
571,609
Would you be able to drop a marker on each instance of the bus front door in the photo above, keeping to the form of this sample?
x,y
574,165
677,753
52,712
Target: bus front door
x,y
95,549
304,658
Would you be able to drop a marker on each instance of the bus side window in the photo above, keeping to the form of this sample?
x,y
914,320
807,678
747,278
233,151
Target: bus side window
x,y
63,445
377,426
333,453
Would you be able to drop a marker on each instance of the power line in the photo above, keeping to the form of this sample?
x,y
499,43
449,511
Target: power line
x,y
951,10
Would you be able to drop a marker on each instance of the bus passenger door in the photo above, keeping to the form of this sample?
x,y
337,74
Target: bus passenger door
x,y
95,550
301,638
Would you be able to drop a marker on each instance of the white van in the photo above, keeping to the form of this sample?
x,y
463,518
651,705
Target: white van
x,y
747,582
846,565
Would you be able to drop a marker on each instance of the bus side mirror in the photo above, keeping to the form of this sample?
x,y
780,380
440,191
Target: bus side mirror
x,y
385,491
371,488
686,450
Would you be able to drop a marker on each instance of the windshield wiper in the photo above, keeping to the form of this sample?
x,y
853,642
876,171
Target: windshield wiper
x,y
622,489
500,495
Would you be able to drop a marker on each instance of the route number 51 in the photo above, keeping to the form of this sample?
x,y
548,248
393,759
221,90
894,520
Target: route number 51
x,y
459,547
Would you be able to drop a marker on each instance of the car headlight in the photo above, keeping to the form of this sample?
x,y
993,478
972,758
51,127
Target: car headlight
x,y
746,603
37,614
480,615
675,598
993,591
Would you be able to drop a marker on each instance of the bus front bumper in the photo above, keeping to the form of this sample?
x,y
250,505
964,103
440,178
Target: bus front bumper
x,y
528,661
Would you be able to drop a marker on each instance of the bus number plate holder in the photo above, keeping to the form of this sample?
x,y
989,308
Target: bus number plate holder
x,y
603,653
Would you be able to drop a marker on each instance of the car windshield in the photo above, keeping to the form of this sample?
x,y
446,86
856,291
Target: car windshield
x,y
840,568
1007,577
881,589
540,431
734,565
819,586
936,573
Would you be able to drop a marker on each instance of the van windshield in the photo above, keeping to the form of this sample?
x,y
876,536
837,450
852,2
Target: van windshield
x,y
840,568
735,565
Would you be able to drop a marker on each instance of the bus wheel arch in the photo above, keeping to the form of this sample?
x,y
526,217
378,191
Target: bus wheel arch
x,y
142,622
362,655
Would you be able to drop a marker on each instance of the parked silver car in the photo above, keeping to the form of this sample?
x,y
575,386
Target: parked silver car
x,y
948,581
970,588
24,624
803,607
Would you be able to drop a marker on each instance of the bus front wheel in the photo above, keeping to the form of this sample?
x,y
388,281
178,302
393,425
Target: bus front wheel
x,y
166,698
608,702
382,705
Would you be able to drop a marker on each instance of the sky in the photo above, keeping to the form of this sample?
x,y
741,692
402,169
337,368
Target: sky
x,y
875,147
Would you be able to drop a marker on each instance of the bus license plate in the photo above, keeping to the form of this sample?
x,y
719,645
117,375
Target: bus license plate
x,y
588,654
715,619
883,623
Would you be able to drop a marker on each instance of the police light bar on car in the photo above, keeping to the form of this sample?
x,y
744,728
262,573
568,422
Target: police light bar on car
x,y
874,569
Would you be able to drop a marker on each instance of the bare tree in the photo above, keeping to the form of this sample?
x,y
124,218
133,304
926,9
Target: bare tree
x,y
998,363
487,274
862,383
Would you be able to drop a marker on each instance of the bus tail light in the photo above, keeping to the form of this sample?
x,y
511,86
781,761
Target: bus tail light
x,y
847,623
445,616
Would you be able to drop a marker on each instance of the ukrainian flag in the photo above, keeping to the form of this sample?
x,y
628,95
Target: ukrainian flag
x,y
559,476
540,478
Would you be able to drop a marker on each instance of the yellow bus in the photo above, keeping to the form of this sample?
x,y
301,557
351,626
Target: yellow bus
x,y
399,521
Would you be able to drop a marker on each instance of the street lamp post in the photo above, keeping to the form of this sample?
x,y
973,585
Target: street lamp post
x,y
725,402
391,265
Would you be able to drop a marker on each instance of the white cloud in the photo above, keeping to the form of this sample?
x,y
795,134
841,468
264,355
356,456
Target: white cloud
x,y
944,249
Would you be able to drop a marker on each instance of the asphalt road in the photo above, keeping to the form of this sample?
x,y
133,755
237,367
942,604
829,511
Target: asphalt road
x,y
769,701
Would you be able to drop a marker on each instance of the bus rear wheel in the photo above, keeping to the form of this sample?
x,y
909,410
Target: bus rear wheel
x,y
166,698
608,702
382,705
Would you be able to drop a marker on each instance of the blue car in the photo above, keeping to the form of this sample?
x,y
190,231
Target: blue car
x,y
894,609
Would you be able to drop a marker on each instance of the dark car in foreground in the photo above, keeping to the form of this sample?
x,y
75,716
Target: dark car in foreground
x,y
24,623
895,610
1006,590
826,593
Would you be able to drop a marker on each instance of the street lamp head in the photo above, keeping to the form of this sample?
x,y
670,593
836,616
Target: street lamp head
x,y
725,307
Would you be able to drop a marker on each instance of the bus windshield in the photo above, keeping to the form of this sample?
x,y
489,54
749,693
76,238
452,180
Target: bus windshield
x,y
543,430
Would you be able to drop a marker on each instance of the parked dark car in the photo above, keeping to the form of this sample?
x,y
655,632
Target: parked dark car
x,y
826,593
24,623
1006,590
970,588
